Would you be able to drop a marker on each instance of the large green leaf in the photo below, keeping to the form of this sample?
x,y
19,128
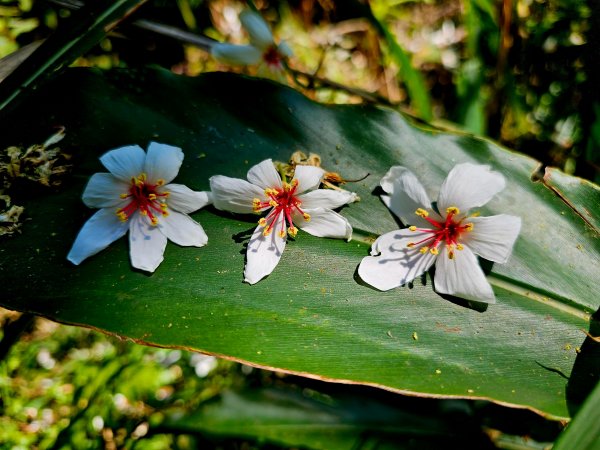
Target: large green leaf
x,y
312,316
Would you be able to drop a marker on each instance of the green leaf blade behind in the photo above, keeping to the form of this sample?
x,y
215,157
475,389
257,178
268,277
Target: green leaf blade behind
x,y
312,315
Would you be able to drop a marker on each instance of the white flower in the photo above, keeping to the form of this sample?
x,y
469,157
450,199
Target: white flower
x,y
262,49
288,205
444,234
136,196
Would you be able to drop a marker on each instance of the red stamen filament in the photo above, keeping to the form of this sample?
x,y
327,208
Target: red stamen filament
x,y
448,231
144,198
283,202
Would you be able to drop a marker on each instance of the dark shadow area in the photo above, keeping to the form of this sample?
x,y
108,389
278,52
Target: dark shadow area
x,y
586,370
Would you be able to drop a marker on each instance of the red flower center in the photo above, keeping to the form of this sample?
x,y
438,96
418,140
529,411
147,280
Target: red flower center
x,y
272,57
145,198
447,231
283,202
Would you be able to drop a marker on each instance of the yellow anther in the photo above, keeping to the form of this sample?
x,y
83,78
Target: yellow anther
x,y
423,250
410,244
269,192
286,186
453,210
267,231
281,233
273,203
295,182
421,212
154,221
469,227
159,182
166,194
124,195
165,213
459,247
412,228
163,206
143,212
292,231
122,216
151,197
451,254
262,222
434,251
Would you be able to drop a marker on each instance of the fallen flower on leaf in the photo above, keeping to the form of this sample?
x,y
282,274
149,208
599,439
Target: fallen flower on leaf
x,y
136,196
445,234
288,205
262,50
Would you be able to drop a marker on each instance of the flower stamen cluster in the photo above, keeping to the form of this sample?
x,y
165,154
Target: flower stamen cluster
x,y
145,198
284,203
448,231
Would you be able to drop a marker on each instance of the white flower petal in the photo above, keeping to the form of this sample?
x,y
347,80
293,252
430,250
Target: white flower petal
x,y
258,30
326,198
324,223
469,186
102,229
396,264
285,50
162,162
406,195
263,255
234,194
125,162
493,237
104,191
462,276
146,244
264,175
309,177
182,230
244,55
183,199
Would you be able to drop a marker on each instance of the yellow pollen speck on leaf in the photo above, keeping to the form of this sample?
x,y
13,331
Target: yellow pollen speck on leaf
x,y
434,251
469,227
452,210
423,250
421,212
262,222
412,228
306,217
